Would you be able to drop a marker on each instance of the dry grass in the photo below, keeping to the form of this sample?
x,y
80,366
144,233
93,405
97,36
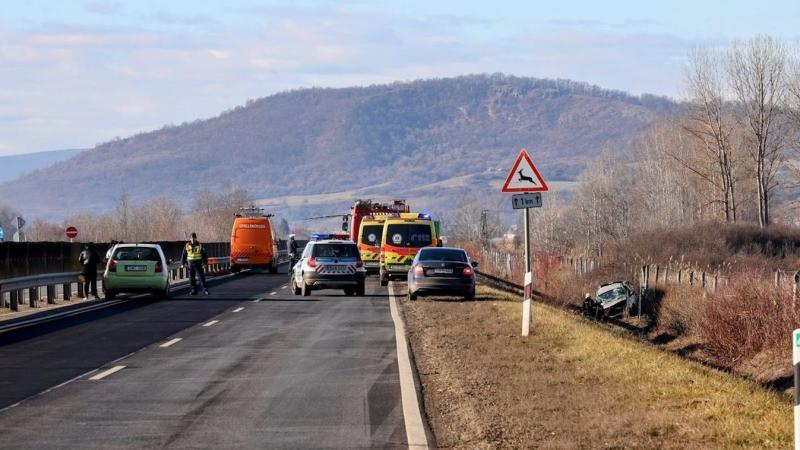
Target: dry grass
x,y
574,385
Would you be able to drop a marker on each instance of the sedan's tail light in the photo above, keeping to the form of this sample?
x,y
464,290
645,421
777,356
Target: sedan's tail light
x,y
468,271
419,270
312,262
112,266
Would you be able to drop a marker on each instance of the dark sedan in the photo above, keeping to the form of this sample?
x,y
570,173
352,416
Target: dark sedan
x,y
441,271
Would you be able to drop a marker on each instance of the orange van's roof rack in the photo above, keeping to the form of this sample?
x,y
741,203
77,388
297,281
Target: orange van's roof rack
x,y
252,211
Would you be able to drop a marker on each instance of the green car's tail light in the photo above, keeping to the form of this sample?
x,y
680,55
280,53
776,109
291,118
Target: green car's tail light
x,y
112,266
159,267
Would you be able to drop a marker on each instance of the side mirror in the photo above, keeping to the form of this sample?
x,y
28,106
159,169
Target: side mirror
x,y
474,263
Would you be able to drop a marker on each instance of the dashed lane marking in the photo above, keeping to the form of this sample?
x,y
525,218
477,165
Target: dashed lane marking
x,y
170,342
106,373
241,308
273,293
208,324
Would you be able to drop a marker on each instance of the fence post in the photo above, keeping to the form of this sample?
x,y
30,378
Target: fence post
x,y
14,300
691,278
680,276
794,288
716,276
703,279
66,290
666,276
33,296
51,295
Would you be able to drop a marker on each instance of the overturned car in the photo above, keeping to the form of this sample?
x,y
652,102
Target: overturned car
x,y
612,300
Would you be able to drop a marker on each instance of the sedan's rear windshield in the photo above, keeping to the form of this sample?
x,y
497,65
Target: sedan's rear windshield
x,y
136,254
371,234
335,251
409,235
442,254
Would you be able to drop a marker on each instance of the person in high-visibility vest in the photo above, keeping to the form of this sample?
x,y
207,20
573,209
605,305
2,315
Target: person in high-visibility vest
x,y
195,257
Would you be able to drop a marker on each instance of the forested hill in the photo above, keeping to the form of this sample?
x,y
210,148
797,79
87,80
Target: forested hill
x,y
383,138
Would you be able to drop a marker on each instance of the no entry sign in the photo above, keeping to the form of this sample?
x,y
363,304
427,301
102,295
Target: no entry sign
x,y
72,232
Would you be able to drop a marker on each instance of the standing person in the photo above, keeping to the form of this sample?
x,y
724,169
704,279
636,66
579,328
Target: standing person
x,y
89,259
292,248
194,256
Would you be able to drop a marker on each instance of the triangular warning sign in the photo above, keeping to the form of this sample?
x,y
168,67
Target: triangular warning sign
x,y
524,176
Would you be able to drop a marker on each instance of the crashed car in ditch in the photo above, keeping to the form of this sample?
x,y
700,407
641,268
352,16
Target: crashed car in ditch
x,y
612,300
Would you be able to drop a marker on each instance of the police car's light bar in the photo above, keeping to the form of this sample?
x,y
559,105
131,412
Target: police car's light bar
x,y
320,236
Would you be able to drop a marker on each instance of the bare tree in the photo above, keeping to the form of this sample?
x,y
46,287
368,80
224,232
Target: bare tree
x,y
758,76
709,121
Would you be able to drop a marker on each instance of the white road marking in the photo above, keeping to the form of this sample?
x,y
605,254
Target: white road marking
x,y
106,373
241,308
284,286
170,342
208,324
412,414
257,300
273,293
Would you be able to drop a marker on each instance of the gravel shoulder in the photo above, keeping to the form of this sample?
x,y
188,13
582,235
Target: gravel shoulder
x,y
573,384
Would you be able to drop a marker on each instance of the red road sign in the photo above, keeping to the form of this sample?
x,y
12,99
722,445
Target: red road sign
x,y
524,176
72,232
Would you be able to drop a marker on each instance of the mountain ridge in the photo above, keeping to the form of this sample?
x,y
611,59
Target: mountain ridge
x,y
324,140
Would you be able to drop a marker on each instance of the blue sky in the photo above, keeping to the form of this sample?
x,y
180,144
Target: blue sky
x,y
76,73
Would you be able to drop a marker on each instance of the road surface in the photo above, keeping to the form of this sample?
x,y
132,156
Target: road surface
x,y
250,366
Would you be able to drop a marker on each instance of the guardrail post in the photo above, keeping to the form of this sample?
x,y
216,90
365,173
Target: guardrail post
x,y
51,294
14,300
33,296
66,290
81,294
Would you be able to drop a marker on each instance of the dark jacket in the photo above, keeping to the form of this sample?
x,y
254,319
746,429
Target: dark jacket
x,y
292,247
184,256
89,259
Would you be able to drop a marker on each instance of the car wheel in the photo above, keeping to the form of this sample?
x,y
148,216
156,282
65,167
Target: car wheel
x,y
165,293
236,269
110,294
470,295
384,277
412,296
305,289
295,288
349,291
361,289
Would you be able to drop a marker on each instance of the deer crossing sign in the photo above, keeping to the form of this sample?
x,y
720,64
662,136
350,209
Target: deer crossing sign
x,y
524,176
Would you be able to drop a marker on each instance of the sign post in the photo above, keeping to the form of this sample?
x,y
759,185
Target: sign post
x,y
18,236
796,363
72,233
527,183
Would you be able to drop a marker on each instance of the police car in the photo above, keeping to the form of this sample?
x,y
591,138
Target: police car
x,y
329,263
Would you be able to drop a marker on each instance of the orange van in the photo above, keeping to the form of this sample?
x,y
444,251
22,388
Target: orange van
x,y
253,244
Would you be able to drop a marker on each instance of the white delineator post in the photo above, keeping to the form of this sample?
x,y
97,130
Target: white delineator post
x,y
527,304
796,364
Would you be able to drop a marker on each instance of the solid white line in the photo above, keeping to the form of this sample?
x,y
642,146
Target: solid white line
x,y
170,342
106,373
412,414
208,324
239,309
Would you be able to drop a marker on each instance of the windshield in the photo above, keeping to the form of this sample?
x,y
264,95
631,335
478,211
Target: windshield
x,y
335,251
409,235
136,254
371,234
442,254
613,294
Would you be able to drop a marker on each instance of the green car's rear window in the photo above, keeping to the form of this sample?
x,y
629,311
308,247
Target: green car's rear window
x,y
136,254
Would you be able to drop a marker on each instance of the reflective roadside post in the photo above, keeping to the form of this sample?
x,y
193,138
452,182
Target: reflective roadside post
x,y
525,181
796,364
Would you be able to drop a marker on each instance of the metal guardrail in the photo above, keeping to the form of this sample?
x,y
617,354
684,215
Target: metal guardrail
x,y
64,281
505,285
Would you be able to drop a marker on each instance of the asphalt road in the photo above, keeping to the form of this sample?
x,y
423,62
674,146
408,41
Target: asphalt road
x,y
281,372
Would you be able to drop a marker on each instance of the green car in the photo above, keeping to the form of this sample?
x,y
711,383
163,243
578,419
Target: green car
x,y
136,268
